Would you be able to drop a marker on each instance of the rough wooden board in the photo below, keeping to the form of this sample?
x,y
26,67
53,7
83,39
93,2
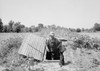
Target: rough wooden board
x,y
33,46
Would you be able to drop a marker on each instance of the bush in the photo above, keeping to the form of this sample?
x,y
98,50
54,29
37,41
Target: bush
x,y
87,42
1,25
96,27
9,49
78,30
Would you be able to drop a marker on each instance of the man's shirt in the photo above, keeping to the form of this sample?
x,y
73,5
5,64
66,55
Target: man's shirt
x,y
53,44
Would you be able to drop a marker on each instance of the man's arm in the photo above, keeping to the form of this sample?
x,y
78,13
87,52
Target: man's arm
x,y
47,45
59,44
61,48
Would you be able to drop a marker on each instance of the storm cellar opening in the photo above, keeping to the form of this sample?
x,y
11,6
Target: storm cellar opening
x,y
52,55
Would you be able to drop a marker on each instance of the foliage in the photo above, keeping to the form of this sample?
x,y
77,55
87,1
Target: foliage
x,y
96,27
17,27
10,24
87,42
8,52
10,57
1,25
78,30
5,28
40,25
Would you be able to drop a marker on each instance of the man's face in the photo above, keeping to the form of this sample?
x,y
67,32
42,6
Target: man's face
x,y
52,36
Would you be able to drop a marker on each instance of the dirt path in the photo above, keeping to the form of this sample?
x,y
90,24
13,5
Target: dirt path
x,y
52,66
1,68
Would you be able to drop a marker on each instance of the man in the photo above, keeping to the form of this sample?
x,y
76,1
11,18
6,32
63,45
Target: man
x,y
54,49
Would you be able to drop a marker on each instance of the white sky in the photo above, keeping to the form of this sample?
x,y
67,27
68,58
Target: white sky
x,y
67,13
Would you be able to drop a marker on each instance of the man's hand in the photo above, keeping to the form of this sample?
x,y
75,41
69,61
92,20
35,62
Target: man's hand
x,y
47,49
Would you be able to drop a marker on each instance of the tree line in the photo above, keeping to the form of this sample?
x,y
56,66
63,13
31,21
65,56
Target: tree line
x,y
18,27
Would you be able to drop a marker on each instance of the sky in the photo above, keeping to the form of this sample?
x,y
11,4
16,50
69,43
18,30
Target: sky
x,y
65,13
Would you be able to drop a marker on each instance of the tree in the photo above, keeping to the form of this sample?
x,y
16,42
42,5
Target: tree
x,y
17,27
1,25
40,25
83,29
53,26
26,29
78,30
22,28
72,29
36,29
11,23
5,28
96,27
32,29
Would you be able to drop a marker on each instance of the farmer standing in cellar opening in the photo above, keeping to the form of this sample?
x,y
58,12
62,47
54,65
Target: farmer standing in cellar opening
x,y
54,49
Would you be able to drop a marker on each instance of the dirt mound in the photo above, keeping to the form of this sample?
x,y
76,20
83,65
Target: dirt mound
x,y
82,58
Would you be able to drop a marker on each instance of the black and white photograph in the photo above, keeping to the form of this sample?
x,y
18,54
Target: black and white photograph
x,y
49,35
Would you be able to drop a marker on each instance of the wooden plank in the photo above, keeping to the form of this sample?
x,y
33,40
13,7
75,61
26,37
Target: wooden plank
x,y
51,61
33,46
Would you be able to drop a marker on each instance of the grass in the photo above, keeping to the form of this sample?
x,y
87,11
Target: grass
x,y
9,45
94,34
80,57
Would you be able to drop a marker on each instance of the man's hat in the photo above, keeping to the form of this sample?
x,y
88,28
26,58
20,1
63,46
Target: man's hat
x,y
52,34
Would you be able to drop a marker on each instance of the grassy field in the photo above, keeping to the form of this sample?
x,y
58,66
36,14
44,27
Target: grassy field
x,y
85,59
95,34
